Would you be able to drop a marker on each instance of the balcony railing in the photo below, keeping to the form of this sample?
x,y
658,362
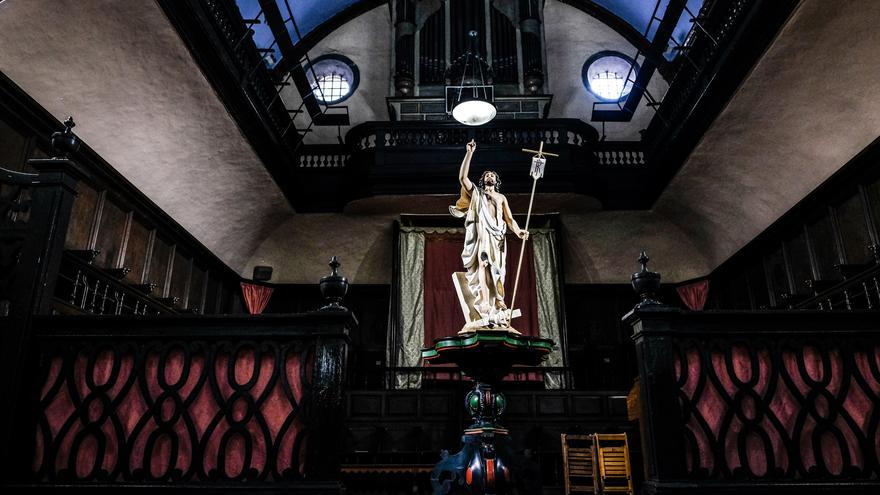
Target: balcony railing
x,y
758,402
235,402
861,291
499,133
405,158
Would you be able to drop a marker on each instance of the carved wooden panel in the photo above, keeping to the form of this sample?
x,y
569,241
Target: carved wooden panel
x,y
799,263
179,277
136,250
212,292
874,203
13,147
195,298
824,247
159,260
85,206
854,230
110,238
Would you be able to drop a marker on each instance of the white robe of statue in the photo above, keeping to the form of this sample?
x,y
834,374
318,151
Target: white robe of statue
x,y
485,241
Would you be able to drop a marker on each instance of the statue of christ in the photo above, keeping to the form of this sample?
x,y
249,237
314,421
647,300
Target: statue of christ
x,y
487,217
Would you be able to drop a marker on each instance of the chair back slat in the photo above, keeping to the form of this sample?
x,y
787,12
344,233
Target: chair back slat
x,y
612,458
578,459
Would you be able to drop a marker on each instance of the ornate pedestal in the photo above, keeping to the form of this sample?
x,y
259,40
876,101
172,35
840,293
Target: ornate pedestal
x,y
485,464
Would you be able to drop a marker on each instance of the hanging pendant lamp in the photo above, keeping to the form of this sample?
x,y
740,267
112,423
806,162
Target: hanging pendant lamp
x,y
472,103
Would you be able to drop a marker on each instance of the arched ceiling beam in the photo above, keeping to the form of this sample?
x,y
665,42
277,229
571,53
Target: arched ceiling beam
x,y
622,28
296,51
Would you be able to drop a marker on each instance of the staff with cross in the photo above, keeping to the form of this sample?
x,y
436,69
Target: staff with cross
x,y
537,172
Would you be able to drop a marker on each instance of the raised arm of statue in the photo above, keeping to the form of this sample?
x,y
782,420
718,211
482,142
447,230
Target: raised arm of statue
x,y
466,166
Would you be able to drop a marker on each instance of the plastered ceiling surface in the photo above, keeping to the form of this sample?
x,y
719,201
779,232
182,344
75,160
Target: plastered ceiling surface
x,y
572,37
807,108
141,102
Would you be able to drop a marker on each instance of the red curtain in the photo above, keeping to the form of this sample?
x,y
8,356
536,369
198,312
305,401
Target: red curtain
x,y
256,297
694,294
442,310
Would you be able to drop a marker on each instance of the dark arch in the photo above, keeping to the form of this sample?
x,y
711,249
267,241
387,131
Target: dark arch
x,y
325,28
622,28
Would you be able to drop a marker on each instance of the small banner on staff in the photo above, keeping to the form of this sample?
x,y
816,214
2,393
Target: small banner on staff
x,y
537,171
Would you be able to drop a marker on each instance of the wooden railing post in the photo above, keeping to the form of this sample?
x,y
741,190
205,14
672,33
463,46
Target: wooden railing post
x,y
326,413
33,244
660,415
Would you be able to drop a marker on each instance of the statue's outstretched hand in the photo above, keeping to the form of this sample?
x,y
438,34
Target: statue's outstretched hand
x,y
523,234
471,146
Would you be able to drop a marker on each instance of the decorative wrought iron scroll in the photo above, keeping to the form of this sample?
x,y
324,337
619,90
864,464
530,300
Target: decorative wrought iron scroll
x,y
780,408
174,411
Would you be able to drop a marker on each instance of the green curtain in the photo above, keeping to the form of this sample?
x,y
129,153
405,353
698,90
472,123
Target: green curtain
x,y
547,280
405,349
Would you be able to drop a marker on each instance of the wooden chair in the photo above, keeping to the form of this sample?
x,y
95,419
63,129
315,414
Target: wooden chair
x,y
578,459
615,472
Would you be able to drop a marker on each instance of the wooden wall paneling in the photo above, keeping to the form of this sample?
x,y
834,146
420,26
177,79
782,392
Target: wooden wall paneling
x,y
120,259
180,275
14,147
838,237
756,285
777,275
789,271
137,250
853,225
222,299
212,293
33,126
811,249
99,213
82,218
799,263
824,247
160,260
110,234
872,192
195,299
166,290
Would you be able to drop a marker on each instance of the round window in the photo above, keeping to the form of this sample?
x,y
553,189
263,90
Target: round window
x,y
609,75
333,78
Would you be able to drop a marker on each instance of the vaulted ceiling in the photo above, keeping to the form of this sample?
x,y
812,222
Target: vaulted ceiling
x,y
142,102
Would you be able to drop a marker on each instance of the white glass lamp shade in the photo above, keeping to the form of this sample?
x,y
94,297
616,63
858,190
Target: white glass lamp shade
x,y
473,111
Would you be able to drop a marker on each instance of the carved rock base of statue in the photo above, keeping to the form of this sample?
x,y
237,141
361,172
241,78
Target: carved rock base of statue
x,y
498,320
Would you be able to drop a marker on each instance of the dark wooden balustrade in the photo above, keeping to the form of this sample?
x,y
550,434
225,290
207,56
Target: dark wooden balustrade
x,y
235,402
378,157
858,292
759,402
